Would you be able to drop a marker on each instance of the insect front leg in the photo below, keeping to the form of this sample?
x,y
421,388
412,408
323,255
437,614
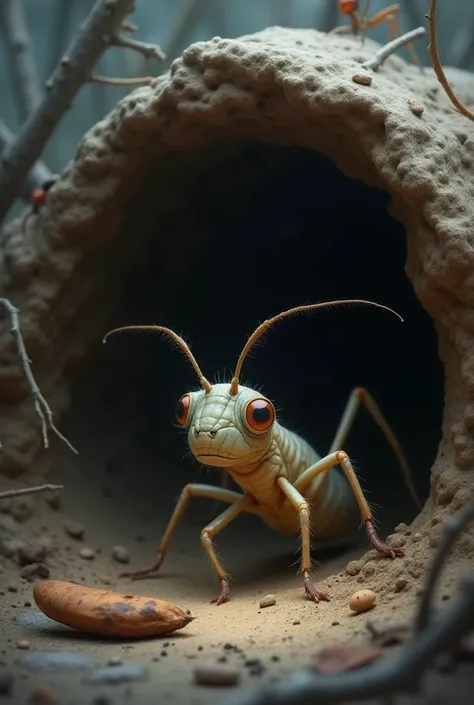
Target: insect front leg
x,y
342,459
192,490
301,506
206,537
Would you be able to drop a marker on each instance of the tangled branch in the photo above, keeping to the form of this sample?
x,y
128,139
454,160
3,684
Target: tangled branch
x,y
41,405
403,672
100,30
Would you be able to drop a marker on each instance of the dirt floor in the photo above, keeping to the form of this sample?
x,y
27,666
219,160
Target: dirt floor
x,y
266,644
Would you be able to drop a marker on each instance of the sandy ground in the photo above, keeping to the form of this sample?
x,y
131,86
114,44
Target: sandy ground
x,y
120,497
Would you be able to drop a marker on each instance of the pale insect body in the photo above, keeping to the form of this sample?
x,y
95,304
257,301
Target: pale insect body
x,y
282,478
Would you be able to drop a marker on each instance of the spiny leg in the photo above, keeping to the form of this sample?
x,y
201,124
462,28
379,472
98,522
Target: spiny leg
x,y
206,537
192,490
341,458
301,506
359,396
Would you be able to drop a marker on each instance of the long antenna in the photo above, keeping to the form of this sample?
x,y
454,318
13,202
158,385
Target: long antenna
x,y
206,385
234,385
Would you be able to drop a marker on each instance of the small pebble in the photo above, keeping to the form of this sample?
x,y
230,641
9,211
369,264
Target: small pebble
x,y
364,79
362,600
120,554
87,553
105,579
212,673
31,553
400,584
12,588
23,644
28,571
268,601
114,661
74,529
415,107
297,621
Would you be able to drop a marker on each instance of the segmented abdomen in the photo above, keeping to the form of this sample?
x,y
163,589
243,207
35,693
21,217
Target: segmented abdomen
x,y
332,503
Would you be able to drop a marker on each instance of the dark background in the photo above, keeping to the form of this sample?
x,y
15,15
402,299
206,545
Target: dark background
x,y
288,229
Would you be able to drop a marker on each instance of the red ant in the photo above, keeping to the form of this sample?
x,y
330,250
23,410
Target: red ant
x,y
38,199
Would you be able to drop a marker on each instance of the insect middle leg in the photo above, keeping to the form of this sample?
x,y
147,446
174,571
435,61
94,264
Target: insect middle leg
x,y
206,537
192,490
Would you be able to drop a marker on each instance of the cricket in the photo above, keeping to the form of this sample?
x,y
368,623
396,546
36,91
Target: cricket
x,y
282,478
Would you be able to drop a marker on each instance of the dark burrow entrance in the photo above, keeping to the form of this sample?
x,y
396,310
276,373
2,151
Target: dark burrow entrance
x,y
259,230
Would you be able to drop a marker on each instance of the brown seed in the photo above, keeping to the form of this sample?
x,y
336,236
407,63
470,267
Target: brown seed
x,y
362,600
364,79
268,601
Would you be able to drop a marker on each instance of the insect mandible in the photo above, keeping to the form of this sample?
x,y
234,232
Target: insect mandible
x,y
283,479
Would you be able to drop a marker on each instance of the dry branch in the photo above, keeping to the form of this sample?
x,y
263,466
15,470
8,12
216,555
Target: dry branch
x,y
403,673
41,405
26,81
6,494
98,32
39,172
382,54
438,69
149,51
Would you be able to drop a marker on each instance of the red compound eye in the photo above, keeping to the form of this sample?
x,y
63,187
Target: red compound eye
x,y
348,7
182,409
260,415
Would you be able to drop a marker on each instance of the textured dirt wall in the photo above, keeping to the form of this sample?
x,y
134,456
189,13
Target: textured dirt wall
x,y
286,86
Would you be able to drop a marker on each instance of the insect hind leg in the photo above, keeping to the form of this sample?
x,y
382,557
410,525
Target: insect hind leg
x,y
360,396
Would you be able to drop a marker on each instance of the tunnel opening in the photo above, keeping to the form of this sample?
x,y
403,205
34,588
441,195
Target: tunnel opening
x,y
251,230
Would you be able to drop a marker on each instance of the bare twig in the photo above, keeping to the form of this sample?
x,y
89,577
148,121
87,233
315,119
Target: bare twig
x,y
39,172
108,81
75,68
6,494
382,54
26,81
453,528
41,406
438,69
149,51
399,674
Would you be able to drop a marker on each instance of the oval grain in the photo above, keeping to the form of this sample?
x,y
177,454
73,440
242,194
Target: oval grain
x,y
362,600
106,612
